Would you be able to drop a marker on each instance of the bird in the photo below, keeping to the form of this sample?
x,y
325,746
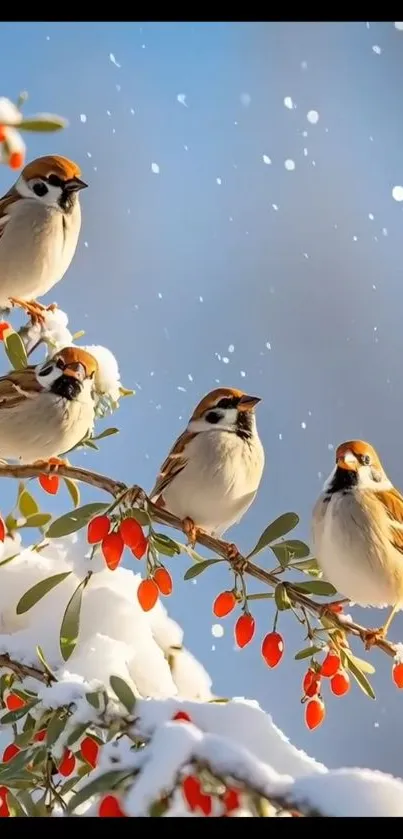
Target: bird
x,y
357,528
40,221
47,409
213,471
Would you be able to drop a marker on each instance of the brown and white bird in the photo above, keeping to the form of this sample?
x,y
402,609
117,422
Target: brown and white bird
x,y
358,532
214,469
40,221
46,410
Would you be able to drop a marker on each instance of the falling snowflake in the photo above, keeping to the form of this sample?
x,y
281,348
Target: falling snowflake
x,y
288,103
266,160
312,117
155,168
83,118
181,98
113,60
397,193
289,165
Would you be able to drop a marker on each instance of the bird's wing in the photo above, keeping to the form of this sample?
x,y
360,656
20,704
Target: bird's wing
x,y
5,202
392,502
17,386
172,466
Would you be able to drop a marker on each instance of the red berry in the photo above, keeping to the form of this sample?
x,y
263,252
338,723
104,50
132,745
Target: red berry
x,y
311,683
10,752
131,532
194,797
336,608
331,664
140,548
340,683
67,764
4,811
224,604
110,808
98,529
397,674
4,327
231,800
244,630
147,594
272,648
90,751
40,735
2,133
112,549
16,160
181,716
2,530
14,702
315,712
164,581
50,483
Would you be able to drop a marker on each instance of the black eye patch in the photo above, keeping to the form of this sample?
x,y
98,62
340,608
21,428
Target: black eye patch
x,y
53,180
46,370
228,402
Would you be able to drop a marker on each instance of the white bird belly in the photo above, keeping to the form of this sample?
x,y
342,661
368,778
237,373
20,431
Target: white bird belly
x,y
219,481
361,568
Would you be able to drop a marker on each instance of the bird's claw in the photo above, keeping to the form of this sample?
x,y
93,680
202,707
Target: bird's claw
x,y
332,608
236,559
34,309
190,530
51,466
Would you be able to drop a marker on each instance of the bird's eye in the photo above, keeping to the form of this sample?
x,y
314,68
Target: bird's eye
x,y
40,189
213,417
366,460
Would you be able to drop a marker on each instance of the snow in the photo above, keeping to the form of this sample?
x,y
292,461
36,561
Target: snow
x,y
155,168
217,630
312,117
83,118
398,26
266,160
377,49
289,165
9,113
288,103
113,60
181,98
397,193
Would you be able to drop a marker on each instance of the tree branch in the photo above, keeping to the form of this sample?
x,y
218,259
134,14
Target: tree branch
x,y
23,670
218,546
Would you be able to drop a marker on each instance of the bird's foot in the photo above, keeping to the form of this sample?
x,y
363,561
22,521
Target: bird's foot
x,y
34,309
372,636
51,466
190,530
236,559
335,607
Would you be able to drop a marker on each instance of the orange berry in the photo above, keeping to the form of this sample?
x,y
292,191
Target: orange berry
x,y
4,811
112,549
140,548
2,530
131,532
16,160
2,133
244,630
4,326
315,712
164,581
90,751
272,648
50,483
336,608
109,807
311,683
331,664
224,604
231,800
397,674
98,528
67,764
340,683
10,752
181,716
14,702
147,594
40,735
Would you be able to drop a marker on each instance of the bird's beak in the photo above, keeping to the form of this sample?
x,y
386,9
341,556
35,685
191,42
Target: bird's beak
x,y
74,184
347,461
246,403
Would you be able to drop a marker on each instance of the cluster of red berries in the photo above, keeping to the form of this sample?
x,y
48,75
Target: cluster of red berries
x,y
272,648
339,682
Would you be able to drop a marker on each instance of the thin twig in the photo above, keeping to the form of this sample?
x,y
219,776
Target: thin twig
x,y
23,670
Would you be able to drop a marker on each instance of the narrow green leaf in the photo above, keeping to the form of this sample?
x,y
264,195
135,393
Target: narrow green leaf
x,y
68,786
308,652
107,781
123,692
315,587
71,522
165,545
15,350
281,553
37,520
360,678
264,595
47,122
13,716
195,570
308,565
9,559
158,808
124,391
363,665
278,528
90,445
71,622
219,700
298,549
34,594
93,699
45,665
73,491
140,515
27,504
55,727
39,756
77,732
106,433
281,597
10,522
15,807
27,803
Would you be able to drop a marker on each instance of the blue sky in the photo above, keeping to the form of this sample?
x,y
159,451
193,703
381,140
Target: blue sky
x,y
223,268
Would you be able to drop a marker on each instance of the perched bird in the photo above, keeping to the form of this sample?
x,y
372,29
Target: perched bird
x,y
46,410
40,220
358,532
214,469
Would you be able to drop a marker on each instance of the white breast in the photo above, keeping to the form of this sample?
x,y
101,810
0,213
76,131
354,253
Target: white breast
x,y
219,481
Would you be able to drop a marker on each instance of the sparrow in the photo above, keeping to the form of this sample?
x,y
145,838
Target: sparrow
x,y
357,527
45,410
40,220
213,471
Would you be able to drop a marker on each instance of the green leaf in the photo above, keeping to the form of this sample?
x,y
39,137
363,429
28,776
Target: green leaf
x,y
278,528
27,504
73,491
361,680
315,587
165,545
45,122
309,566
264,595
9,559
71,522
39,756
45,665
93,699
195,570
281,553
158,808
15,807
68,786
71,622
124,391
123,692
298,549
308,652
77,732
13,716
140,515
55,727
363,665
90,444
107,433
28,804
10,522
31,597
15,350
107,781
281,597
37,520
